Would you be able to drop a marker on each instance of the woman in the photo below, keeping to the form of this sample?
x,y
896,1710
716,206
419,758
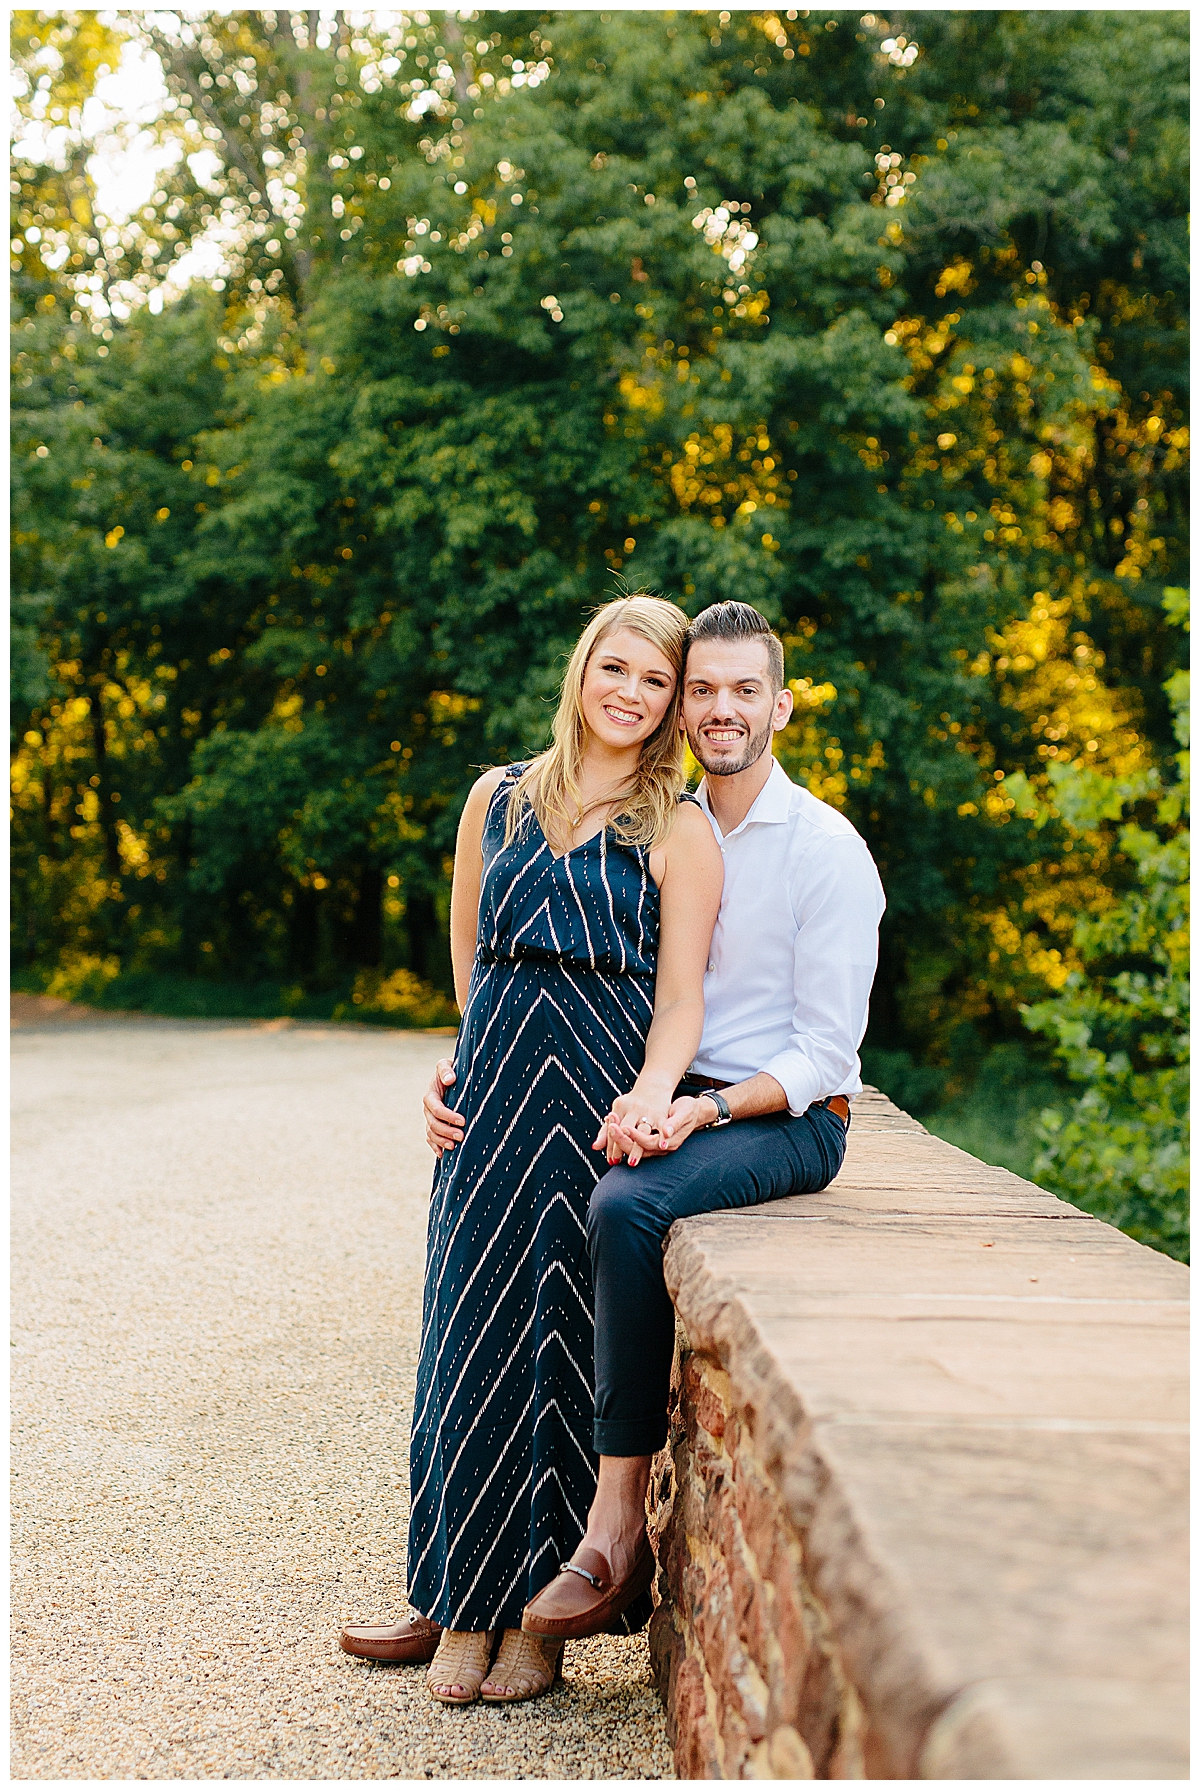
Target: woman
x,y
586,887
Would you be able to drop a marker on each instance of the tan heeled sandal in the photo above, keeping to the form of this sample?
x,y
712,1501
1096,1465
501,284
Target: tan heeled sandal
x,y
462,1658
526,1666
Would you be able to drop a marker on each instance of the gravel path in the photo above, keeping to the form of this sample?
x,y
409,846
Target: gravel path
x,y
218,1234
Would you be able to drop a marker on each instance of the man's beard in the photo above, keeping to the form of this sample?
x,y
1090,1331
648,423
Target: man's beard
x,y
756,746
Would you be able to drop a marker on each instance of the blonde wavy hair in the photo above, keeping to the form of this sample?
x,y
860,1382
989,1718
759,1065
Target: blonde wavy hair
x,y
549,786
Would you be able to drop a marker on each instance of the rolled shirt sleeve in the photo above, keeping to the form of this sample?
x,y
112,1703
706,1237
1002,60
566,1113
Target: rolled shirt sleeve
x,y
837,902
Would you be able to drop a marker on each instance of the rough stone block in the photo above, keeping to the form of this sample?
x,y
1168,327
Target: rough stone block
x,y
696,1743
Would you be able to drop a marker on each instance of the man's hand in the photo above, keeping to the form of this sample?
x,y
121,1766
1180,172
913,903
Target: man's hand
x,y
687,1114
443,1128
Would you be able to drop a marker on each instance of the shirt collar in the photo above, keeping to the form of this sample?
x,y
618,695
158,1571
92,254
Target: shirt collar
x,y
772,805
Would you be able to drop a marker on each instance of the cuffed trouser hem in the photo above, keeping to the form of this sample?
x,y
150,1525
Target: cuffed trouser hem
x,y
628,1436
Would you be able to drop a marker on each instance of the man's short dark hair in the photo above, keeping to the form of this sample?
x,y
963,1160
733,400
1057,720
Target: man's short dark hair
x,y
738,621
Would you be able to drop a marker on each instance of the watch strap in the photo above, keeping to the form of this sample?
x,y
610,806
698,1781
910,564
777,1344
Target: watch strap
x,y
724,1116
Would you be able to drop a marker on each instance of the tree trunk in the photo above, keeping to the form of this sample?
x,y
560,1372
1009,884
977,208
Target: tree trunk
x,y
420,922
304,932
33,894
884,1030
48,804
365,939
108,826
188,943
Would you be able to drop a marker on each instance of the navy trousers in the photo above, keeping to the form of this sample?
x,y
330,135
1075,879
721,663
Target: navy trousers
x,y
631,1211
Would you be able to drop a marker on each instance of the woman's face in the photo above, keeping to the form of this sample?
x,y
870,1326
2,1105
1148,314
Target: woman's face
x,y
627,689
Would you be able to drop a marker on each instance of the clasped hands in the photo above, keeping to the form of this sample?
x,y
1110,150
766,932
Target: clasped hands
x,y
640,1123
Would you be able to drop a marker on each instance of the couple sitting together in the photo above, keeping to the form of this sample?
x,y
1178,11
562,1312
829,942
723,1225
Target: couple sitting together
x,y
674,988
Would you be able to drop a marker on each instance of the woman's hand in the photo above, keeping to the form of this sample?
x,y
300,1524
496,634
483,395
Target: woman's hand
x,y
638,1124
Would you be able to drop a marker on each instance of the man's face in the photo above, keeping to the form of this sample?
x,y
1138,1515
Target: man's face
x,y
729,708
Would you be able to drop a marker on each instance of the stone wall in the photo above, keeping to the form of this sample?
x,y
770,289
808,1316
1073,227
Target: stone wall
x,y
922,1509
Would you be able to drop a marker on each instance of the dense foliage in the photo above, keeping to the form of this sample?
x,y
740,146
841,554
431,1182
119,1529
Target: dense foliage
x,y
1121,1021
877,323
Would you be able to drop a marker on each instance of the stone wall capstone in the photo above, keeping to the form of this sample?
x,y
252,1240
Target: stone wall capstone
x,y
922,1509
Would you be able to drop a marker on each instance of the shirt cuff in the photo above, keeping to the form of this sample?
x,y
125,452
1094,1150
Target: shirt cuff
x,y
798,1078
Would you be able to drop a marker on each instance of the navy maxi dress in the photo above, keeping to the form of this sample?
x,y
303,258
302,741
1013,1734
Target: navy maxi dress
x,y
502,1469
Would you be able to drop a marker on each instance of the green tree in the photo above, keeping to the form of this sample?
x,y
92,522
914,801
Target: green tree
x,y
528,409
1120,1024
107,713
875,324
1031,176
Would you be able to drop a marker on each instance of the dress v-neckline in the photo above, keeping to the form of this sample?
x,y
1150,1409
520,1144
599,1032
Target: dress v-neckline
x,y
561,857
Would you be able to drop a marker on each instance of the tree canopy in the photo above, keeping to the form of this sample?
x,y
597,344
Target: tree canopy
x,y
877,323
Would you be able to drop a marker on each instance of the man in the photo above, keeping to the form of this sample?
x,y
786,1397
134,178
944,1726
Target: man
x,y
762,1113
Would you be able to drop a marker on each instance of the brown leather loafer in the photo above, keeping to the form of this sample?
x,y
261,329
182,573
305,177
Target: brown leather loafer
x,y
583,1599
412,1642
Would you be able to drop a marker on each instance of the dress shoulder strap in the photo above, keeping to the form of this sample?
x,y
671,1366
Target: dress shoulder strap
x,y
685,795
503,790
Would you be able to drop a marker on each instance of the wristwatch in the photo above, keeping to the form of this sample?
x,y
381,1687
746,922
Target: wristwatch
x,y
724,1116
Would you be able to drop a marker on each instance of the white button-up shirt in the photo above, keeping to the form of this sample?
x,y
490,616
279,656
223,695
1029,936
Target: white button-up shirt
x,y
795,947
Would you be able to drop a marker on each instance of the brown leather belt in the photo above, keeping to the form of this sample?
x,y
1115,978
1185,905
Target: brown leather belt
x,y
836,1103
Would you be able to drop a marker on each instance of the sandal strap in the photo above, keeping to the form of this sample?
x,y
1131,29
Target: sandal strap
x,y
460,1652
521,1653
